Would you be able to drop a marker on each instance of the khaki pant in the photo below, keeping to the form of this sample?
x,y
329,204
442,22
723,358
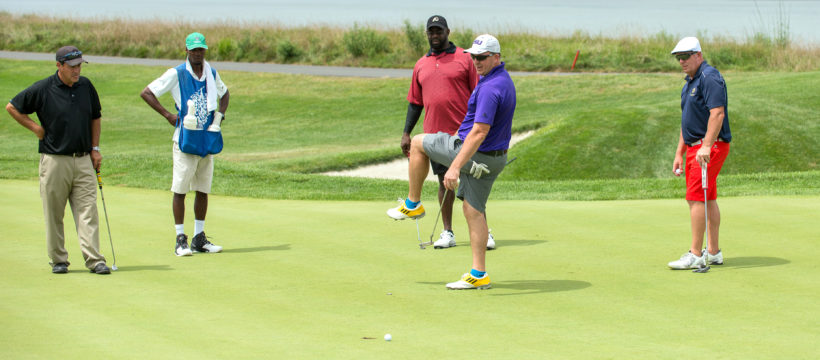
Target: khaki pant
x,y
64,177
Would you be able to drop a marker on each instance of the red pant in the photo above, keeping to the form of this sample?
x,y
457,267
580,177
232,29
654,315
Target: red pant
x,y
694,189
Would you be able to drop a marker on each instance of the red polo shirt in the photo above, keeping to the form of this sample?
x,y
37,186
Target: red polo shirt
x,y
442,83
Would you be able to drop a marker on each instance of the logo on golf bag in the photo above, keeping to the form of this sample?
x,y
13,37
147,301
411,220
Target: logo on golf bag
x,y
200,108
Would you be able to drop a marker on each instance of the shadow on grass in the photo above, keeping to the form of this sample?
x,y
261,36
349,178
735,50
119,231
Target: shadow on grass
x,y
752,262
143,268
504,243
257,249
527,287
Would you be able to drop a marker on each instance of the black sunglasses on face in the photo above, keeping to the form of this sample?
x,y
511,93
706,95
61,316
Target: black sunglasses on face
x,y
70,56
684,56
480,57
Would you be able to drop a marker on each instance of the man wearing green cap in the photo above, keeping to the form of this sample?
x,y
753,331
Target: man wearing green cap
x,y
202,99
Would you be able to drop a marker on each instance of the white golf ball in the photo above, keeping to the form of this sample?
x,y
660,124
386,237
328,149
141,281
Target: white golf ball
x,y
387,337
678,171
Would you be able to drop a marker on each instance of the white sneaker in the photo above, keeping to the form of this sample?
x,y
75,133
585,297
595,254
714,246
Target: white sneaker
x,y
716,259
687,261
490,241
182,248
445,240
201,244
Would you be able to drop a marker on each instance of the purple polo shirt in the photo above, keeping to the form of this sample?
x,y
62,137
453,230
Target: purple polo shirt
x,y
492,102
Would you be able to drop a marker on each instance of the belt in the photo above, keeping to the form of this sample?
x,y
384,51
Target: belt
x,y
494,152
79,154
701,141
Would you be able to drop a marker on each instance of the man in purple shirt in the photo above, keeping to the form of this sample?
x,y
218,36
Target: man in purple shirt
x,y
475,155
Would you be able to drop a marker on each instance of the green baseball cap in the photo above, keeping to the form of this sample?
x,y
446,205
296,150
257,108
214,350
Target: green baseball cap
x,y
195,40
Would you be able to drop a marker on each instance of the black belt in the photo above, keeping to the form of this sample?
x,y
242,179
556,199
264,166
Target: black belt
x,y
494,152
701,142
79,154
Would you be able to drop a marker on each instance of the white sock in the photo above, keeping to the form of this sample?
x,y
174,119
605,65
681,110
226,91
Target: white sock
x,y
180,229
199,226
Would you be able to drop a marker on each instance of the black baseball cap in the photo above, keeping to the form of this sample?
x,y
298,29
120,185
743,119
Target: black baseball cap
x,y
70,55
437,20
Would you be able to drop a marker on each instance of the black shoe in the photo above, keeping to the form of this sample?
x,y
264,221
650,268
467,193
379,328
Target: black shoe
x,y
181,248
201,244
101,269
59,268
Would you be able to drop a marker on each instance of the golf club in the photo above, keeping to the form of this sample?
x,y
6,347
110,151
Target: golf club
x,y
107,224
418,233
437,216
704,183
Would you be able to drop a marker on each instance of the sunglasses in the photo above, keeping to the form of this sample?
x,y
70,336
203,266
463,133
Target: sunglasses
x,y
70,56
684,56
480,57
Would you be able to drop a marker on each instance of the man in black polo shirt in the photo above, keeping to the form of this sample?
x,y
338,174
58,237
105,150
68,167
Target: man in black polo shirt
x,y
68,109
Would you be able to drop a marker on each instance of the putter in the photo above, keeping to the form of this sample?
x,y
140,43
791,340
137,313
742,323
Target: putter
x,y
437,216
704,183
418,233
107,224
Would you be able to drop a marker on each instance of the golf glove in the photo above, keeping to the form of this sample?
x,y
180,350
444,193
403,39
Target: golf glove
x,y
216,125
189,121
478,170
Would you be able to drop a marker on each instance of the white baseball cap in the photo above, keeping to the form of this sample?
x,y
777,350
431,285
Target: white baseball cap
x,y
687,44
484,43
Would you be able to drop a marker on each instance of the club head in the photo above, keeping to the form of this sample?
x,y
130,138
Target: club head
x,y
702,269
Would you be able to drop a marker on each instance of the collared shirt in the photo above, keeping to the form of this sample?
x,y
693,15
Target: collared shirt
x,y
442,83
492,103
705,91
65,113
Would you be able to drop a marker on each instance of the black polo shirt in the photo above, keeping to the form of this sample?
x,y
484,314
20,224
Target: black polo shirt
x,y
64,112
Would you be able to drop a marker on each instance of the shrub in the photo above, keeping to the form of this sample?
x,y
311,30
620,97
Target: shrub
x,y
365,42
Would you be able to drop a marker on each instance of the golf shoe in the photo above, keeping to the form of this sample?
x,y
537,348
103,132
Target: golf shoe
x,y
182,246
445,240
201,244
687,261
401,212
469,282
716,259
490,241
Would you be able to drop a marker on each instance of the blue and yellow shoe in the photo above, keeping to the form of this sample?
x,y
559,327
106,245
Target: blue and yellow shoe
x,y
401,212
470,282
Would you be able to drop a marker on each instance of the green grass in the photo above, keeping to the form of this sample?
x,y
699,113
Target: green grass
x,y
283,129
399,46
309,279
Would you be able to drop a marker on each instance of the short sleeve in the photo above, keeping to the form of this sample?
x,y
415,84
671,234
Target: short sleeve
x,y
714,91
164,83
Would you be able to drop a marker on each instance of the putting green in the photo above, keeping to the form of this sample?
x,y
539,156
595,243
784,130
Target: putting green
x,y
310,279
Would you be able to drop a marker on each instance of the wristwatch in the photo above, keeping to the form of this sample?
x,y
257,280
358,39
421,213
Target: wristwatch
x,y
95,148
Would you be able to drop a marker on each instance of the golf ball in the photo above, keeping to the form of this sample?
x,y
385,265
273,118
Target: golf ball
x,y
678,171
387,337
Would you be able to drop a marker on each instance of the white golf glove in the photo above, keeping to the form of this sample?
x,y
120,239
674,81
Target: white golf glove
x,y
478,170
216,125
189,121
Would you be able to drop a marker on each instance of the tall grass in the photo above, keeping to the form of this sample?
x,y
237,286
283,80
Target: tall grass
x,y
398,47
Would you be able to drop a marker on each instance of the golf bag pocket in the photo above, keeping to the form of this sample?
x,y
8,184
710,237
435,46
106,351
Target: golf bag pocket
x,y
200,142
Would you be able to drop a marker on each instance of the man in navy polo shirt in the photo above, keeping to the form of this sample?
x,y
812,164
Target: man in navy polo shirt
x,y
704,138
68,109
475,155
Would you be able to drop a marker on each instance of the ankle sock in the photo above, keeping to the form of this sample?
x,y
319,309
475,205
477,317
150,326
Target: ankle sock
x,y
477,274
411,204
180,228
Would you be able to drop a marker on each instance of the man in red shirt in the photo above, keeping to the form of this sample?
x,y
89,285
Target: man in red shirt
x,y
443,80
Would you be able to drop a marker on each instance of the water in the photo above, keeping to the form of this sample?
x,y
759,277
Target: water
x,y
739,19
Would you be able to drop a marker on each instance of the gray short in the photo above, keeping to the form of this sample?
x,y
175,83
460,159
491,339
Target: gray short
x,y
443,148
